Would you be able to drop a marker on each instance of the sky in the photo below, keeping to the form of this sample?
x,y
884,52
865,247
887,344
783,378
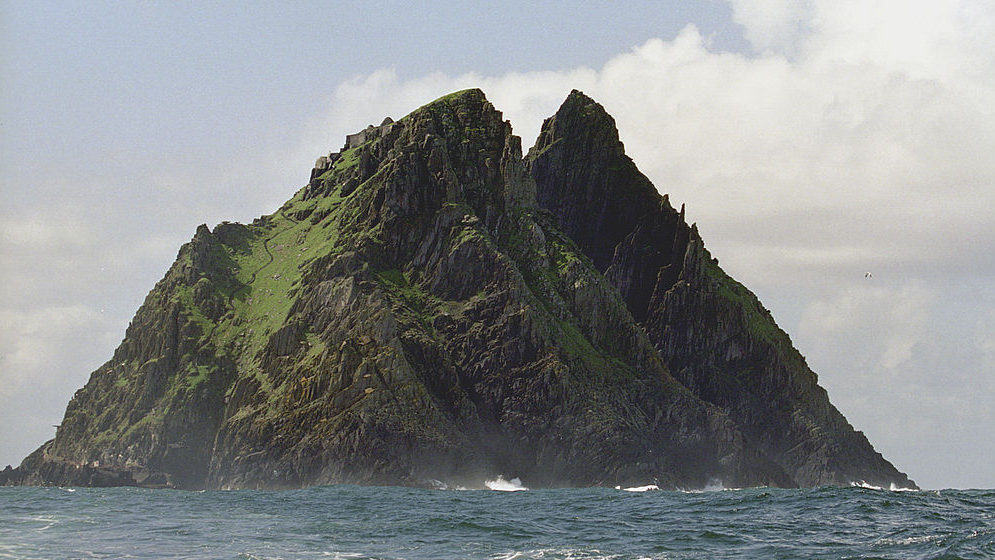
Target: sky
x,y
812,141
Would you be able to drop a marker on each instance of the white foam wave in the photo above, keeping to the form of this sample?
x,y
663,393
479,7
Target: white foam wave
x,y
646,488
892,487
559,554
909,540
501,485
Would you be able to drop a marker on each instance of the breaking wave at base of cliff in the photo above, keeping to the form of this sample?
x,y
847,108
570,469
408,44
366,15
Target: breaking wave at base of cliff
x,y
892,487
646,488
714,485
501,485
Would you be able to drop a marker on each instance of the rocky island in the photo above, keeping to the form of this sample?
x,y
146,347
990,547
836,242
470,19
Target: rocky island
x,y
434,305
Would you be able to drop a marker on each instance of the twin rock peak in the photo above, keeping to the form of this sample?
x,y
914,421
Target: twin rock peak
x,y
435,306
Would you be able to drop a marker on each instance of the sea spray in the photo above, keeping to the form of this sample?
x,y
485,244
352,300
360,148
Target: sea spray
x,y
501,485
713,485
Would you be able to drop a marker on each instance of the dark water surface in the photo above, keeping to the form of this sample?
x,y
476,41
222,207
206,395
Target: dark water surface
x,y
372,522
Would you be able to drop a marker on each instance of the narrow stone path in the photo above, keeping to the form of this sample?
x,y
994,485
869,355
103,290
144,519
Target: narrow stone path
x,y
252,279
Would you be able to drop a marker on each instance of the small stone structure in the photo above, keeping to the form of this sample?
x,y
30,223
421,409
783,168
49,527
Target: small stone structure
x,y
324,163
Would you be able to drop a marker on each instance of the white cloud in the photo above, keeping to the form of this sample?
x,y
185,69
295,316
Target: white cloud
x,y
39,233
896,318
773,24
45,338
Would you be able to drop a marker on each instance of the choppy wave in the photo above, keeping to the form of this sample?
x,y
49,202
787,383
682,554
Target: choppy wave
x,y
559,554
367,523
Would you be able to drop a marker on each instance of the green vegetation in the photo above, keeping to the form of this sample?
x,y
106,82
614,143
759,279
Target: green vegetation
x,y
271,269
565,254
468,234
347,159
198,375
418,304
185,296
600,365
253,278
758,320
448,99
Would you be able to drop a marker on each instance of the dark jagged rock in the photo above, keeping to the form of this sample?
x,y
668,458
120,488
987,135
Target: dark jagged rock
x,y
713,333
414,313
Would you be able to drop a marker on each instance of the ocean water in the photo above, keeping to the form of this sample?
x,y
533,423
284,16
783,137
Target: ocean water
x,y
595,523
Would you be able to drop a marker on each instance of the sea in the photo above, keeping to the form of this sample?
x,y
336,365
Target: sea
x,y
501,521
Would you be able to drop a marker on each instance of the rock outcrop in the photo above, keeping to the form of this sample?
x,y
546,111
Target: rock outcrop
x,y
427,309
714,334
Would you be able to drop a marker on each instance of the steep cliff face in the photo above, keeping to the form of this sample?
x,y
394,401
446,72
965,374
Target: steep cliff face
x,y
414,313
715,336
156,404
